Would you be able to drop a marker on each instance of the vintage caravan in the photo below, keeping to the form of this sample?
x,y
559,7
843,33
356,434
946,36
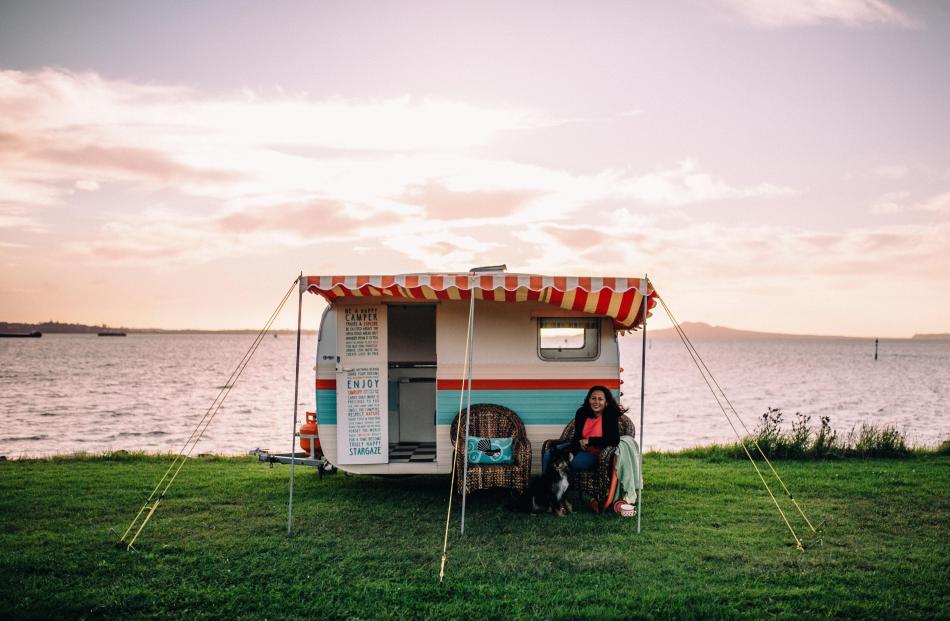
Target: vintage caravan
x,y
399,357
391,372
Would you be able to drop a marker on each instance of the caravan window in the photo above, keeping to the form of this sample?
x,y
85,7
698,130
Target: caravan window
x,y
568,338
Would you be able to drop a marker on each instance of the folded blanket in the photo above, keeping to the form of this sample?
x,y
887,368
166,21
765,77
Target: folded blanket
x,y
627,466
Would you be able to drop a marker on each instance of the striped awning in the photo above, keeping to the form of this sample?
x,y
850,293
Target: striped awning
x,y
618,298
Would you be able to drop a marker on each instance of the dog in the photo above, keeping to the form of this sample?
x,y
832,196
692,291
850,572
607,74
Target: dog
x,y
547,493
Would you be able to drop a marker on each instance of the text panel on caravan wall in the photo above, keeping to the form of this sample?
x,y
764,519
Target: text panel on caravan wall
x,y
362,375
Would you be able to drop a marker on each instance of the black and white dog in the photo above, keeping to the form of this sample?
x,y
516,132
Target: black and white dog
x,y
547,493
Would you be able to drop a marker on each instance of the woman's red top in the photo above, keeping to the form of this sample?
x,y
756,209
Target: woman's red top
x,y
593,428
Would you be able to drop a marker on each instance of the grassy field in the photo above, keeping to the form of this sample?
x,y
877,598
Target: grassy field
x,y
712,545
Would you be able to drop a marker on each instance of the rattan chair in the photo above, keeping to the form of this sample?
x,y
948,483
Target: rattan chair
x,y
596,481
493,421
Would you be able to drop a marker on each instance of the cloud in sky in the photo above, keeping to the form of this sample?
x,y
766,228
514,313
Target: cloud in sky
x,y
166,179
890,202
62,131
891,171
797,13
898,202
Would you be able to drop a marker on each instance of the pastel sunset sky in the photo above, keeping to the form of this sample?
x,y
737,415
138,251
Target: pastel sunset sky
x,y
779,166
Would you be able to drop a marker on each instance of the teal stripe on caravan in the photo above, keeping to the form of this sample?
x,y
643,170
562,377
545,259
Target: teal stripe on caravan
x,y
533,407
326,407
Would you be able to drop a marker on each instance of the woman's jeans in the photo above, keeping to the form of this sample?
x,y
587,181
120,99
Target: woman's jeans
x,y
581,461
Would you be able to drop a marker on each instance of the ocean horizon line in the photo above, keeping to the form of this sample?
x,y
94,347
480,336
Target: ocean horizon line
x,y
693,329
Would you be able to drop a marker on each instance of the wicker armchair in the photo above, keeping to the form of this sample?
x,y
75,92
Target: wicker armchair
x,y
493,421
596,481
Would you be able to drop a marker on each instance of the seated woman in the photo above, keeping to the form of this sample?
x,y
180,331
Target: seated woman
x,y
596,425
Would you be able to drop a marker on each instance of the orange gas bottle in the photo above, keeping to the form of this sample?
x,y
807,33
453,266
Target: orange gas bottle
x,y
309,428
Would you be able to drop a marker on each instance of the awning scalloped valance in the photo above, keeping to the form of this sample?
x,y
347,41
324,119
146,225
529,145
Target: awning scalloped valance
x,y
621,299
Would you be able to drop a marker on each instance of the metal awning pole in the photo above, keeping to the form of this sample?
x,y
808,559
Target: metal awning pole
x,y
293,434
468,406
644,286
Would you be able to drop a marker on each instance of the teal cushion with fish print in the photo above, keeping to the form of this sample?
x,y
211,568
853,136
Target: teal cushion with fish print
x,y
490,450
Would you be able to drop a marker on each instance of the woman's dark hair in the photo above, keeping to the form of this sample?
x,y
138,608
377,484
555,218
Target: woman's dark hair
x,y
612,406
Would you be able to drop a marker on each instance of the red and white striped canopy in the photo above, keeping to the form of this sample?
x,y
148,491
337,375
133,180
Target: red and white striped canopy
x,y
618,298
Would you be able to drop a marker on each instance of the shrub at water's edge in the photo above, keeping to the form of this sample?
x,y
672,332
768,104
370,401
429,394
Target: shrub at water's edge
x,y
802,441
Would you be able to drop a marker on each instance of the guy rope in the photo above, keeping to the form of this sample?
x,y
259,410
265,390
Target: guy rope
x,y
721,398
466,377
155,498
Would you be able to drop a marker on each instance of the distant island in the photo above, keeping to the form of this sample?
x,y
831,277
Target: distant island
x,y
698,329
55,327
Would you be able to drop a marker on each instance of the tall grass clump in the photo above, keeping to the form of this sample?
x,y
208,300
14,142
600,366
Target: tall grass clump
x,y
801,440
871,441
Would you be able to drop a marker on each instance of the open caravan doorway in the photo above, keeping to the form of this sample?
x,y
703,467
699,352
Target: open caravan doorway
x,y
412,385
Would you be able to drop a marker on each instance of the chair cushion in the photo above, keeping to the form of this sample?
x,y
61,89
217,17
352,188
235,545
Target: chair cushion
x,y
490,450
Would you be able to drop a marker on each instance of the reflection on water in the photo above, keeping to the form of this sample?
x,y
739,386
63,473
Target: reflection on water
x,y
66,393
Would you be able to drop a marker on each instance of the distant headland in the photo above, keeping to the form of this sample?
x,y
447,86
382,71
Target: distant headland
x,y
55,327
698,329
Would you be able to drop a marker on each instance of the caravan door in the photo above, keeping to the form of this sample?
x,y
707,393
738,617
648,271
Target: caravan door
x,y
362,372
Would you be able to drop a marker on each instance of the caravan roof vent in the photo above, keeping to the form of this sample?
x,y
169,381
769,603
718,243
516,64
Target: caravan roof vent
x,y
490,268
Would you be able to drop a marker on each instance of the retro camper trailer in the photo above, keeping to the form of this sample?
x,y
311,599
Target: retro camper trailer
x,y
399,357
391,358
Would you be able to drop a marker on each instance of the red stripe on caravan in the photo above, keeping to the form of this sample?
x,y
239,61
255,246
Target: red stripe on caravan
x,y
556,297
560,283
534,294
511,296
326,384
584,283
411,281
528,384
437,283
462,283
535,283
610,282
603,301
486,283
337,280
386,282
361,280
488,294
442,294
511,283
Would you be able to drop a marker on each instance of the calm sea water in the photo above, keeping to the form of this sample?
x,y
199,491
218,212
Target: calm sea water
x,y
65,393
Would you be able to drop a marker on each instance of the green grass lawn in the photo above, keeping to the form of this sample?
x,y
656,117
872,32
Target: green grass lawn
x,y
712,546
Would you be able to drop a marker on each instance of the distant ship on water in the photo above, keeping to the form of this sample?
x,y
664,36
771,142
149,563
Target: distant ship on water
x,y
35,334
